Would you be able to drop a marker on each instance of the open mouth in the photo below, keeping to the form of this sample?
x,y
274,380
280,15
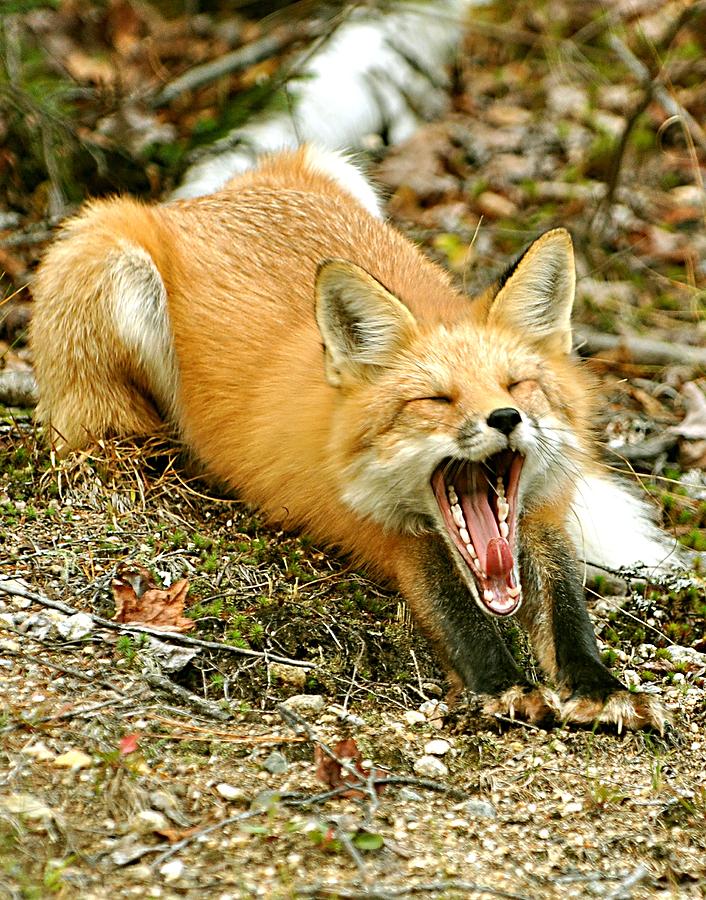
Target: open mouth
x,y
478,503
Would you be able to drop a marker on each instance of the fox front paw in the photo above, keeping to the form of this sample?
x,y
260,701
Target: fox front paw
x,y
533,704
623,709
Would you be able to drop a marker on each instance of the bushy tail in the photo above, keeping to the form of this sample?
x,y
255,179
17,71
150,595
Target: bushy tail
x,y
613,528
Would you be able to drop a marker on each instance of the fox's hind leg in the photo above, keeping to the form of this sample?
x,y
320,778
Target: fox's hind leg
x,y
564,642
103,353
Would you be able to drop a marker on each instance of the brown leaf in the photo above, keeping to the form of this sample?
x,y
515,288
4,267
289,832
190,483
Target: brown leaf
x,y
138,599
332,773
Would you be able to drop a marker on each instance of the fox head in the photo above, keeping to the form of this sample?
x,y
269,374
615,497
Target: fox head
x,y
459,427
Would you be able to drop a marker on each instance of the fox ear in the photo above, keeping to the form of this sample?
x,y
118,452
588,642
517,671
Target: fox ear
x,y
537,294
361,322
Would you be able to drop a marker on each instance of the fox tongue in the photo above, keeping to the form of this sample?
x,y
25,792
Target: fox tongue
x,y
498,558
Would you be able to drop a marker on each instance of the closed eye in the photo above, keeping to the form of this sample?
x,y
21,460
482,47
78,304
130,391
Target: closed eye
x,y
441,398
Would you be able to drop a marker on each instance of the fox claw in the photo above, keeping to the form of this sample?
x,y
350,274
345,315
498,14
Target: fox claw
x,y
623,709
535,705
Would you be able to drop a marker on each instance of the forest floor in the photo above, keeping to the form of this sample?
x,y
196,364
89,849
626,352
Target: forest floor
x,y
207,761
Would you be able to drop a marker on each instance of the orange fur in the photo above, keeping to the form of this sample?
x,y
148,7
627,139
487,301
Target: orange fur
x,y
211,314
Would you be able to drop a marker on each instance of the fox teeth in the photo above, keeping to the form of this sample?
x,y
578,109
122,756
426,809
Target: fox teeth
x,y
488,595
504,529
514,592
500,488
453,496
472,551
503,509
458,516
465,536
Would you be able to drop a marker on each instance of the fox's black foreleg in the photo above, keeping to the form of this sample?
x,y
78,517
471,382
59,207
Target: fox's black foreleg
x,y
467,639
555,615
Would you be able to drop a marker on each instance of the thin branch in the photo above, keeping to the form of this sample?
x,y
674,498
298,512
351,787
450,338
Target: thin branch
x,y
666,100
15,589
383,892
238,60
645,351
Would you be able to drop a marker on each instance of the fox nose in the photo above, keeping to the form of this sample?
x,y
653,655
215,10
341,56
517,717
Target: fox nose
x,y
504,419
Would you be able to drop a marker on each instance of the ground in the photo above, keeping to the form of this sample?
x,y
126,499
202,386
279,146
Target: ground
x,y
136,766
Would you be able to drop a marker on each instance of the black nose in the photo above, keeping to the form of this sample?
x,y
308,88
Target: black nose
x,y
504,419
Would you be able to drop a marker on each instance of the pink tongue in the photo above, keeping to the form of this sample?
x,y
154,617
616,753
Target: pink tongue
x,y
498,563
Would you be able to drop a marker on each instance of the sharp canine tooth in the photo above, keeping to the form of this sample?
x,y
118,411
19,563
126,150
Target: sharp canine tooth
x,y
488,595
504,529
458,516
465,536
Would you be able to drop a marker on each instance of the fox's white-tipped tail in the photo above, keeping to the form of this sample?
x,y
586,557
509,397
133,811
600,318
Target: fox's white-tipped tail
x,y
613,528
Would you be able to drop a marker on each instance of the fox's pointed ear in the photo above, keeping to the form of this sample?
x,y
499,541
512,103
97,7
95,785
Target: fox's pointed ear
x,y
362,324
537,294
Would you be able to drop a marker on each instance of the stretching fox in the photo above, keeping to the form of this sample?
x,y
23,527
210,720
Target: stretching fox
x,y
321,366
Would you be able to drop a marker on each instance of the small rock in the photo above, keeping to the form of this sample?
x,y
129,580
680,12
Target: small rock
x,y
75,627
170,657
430,687
434,711
26,805
413,717
171,870
151,820
294,675
495,206
305,704
73,759
39,751
679,654
9,644
430,767
229,792
275,763
479,809
437,747
408,795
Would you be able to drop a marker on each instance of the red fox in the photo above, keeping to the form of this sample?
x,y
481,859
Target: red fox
x,y
317,363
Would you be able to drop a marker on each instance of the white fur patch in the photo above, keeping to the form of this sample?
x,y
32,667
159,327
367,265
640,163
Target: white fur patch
x,y
142,320
345,173
612,527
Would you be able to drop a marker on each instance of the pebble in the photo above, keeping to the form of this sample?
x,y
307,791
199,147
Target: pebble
x,y
478,809
305,704
75,627
151,820
229,792
73,759
294,675
172,870
414,717
437,747
275,763
430,767
409,796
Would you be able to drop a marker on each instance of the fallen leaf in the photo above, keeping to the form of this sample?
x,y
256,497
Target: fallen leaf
x,y
138,599
128,744
332,773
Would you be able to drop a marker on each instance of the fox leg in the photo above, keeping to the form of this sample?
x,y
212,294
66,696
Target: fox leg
x,y
554,613
467,639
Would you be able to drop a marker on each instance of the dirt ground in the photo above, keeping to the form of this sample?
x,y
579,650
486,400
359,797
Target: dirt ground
x,y
200,763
